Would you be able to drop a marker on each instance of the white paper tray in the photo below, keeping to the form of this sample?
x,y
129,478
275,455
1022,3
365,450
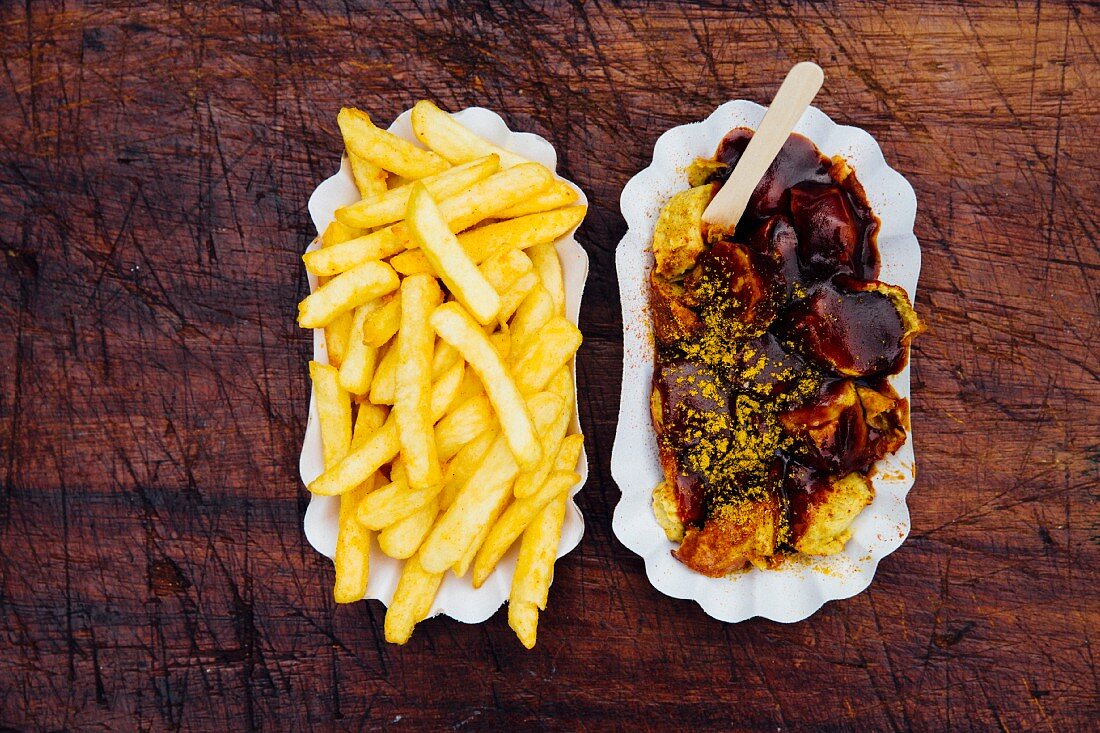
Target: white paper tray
x,y
457,597
801,585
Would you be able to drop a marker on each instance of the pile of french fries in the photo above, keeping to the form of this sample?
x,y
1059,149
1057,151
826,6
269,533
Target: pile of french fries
x,y
446,403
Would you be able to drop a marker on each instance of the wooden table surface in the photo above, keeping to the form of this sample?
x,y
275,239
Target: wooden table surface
x,y
155,164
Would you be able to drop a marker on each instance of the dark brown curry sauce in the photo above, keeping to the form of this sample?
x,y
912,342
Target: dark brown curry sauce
x,y
773,351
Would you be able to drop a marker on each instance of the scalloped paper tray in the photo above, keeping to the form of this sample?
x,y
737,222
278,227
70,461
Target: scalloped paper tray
x,y
802,584
457,597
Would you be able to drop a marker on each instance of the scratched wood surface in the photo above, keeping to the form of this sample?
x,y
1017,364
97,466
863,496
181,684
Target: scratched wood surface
x,y
155,163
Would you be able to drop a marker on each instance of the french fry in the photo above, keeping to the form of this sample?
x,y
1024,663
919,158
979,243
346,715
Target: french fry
x,y
503,269
515,519
368,419
533,313
465,462
384,322
337,338
342,293
357,369
548,266
443,358
554,196
337,233
352,556
461,425
384,149
450,138
369,178
412,601
383,388
333,412
420,294
511,300
403,538
491,195
430,233
482,496
520,233
391,205
378,245
458,329
382,446
445,389
534,570
462,566
480,201
411,262
393,502
557,341
528,482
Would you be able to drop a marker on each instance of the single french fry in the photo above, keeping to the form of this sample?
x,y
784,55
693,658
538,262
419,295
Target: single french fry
x,y
482,495
548,266
337,338
412,601
443,358
382,446
394,502
369,178
368,419
337,233
343,256
390,206
461,425
503,269
524,620
454,141
458,329
462,566
554,196
384,149
511,300
480,201
445,389
528,482
520,233
487,197
403,538
555,345
357,369
384,322
420,294
352,561
333,412
534,570
465,462
352,556
514,521
383,388
533,313
348,290
411,262
429,231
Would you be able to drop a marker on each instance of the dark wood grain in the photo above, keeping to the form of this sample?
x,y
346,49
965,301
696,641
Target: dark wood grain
x,y
155,163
